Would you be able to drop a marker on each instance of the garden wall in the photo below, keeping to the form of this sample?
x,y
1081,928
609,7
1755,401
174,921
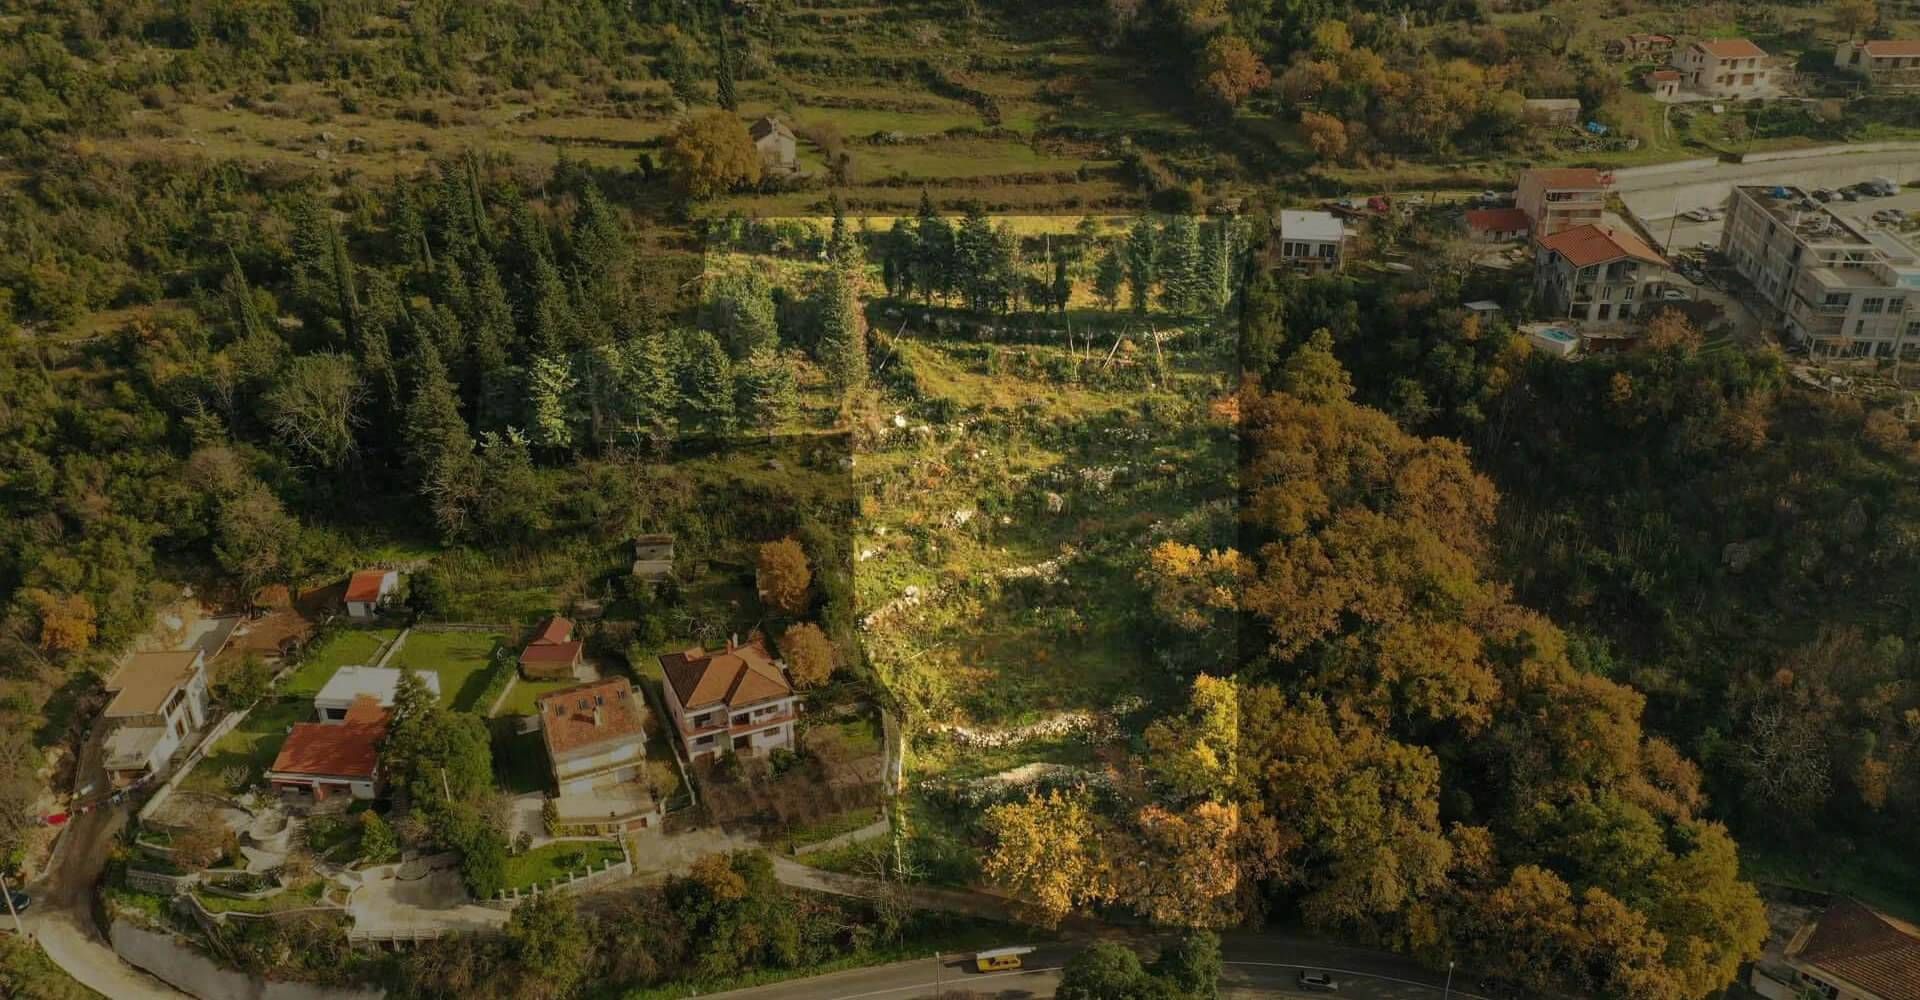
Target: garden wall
x,y
196,975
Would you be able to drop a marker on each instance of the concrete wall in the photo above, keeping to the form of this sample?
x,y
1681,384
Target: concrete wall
x,y
196,975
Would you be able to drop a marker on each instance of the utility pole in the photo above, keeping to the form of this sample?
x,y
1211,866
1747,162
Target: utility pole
x,y
1448,994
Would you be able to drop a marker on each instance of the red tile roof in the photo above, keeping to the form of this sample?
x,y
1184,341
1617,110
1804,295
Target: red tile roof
x,y
551,652
1664,74
1731,48
1498,220
1585,246
365,585
555,629
349,749
1569,178
741,675
587,714
1866,948
1892,47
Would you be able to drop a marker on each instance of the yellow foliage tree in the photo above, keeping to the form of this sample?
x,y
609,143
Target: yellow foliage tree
x,y
782,575
1047,852
67,622
711,154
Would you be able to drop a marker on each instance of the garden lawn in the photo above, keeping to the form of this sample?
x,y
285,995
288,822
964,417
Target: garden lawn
x,y
550,861
252,745
460,658
519,759
297,897
347,647
522,695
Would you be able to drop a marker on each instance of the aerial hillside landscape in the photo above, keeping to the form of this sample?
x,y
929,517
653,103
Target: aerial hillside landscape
x,y
1082,498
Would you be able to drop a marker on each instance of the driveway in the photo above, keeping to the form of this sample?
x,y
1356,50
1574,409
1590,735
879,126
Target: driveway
x,y
434,902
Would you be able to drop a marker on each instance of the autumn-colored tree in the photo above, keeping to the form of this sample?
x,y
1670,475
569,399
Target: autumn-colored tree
x,y
782,575
1193,591
1048,853
1313,374
1325,135
1851,17
711,154
1182,868
1230,70
1193,754
67,622
1671,330
808,654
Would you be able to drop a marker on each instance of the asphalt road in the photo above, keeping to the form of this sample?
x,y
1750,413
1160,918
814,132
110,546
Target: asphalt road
x,y
1257,965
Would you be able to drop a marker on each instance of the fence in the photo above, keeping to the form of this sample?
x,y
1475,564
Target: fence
x,y
610,871
227,724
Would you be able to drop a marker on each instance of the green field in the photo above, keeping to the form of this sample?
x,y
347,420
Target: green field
x,y
251,746
524,693
346,647
460,659
541,865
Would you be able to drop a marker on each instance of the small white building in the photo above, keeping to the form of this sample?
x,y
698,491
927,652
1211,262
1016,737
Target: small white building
x,y
1312,242
159,699
348,684
369,590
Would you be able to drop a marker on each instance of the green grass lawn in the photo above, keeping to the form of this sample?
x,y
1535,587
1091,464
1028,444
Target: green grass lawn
x,y
833,826
295,898
460,658
347,647
554,860
522,695
252,745
519,759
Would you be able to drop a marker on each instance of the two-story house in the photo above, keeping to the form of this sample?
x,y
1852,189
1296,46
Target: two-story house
x,y
1596,274
1312,242
1730,68
1886,62
738,699
159,699
1556,199
1840,290
596,741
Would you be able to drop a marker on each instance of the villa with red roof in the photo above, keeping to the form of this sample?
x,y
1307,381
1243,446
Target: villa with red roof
x,y
1596,274
1498,225
1885,62
368,590
553,653
596,741
738,699
1726,68
328,760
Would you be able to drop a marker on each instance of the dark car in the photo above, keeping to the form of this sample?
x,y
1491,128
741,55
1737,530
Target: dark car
x,y
20,901
1318,982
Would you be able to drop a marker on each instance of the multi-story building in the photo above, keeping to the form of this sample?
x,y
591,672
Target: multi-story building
x,y
1732,68
1556,199
1596,274
738,699
159,699
1886,62
596,742
1312,241
1841,290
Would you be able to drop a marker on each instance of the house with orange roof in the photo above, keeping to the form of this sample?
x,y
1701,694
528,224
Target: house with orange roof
x,y
1560,198
370,589
596,740
737,700
1498,225
1727,68
1885,62
1847,951
1596,274
332,760
553,654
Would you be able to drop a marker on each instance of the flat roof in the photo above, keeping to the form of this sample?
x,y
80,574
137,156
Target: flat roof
x,y
348,683
1296,224
143,684
1787,206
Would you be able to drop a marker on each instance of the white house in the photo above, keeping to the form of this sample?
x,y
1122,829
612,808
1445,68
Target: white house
x,y
738,699
596,741
1597,274
370,589
158,700
1724,67
1312,241
320,761
348,684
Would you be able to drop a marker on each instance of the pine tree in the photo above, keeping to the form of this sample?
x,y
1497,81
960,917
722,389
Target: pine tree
x,y
1108,276
764,394
840,244
934,252
649,390
706,382
347,301
842,346
1180,266
1062,284
741,312
601,253
1141,257
435,433
974,252
723,79
556,327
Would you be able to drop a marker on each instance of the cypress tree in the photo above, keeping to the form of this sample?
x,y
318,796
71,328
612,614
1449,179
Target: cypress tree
x,y
842,346
764,393
1141,258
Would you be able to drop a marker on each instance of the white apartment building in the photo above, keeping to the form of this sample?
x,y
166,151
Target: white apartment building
x,y
158,700
1732,68
1841,290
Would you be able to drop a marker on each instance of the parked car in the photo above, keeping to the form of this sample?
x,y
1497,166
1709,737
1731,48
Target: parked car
x,y
20,901
1673,294
1318,982
1697,215
1823,195
1848,194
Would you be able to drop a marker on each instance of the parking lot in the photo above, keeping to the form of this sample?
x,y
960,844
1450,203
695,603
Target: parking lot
x,y
1675,234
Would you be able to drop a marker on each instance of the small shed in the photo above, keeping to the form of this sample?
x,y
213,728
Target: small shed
x,y
1498,225
1664,83
653,558
775,141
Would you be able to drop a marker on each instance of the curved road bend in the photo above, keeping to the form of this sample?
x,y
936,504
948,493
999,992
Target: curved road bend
x,y
1257,965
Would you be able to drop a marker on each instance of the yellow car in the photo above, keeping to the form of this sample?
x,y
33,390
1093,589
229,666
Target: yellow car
x,y
999,959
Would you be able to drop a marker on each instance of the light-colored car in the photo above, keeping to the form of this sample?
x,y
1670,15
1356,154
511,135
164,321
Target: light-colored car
x,y
1318,982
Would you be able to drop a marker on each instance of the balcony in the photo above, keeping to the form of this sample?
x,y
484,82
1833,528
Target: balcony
x,y
755,725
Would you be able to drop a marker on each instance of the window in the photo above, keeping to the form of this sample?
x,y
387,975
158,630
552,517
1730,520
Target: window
x,y
1326,251
1872,304
1629,294
741,719
1859,327
1836,300
1606,293
1896,304
1605,312
1626,311
703,720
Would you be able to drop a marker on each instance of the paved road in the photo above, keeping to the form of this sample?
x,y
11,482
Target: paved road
x,y
1258,965
62,915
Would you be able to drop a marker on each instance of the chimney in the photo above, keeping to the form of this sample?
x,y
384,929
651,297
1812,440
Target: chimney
x,y
597,716
733,642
